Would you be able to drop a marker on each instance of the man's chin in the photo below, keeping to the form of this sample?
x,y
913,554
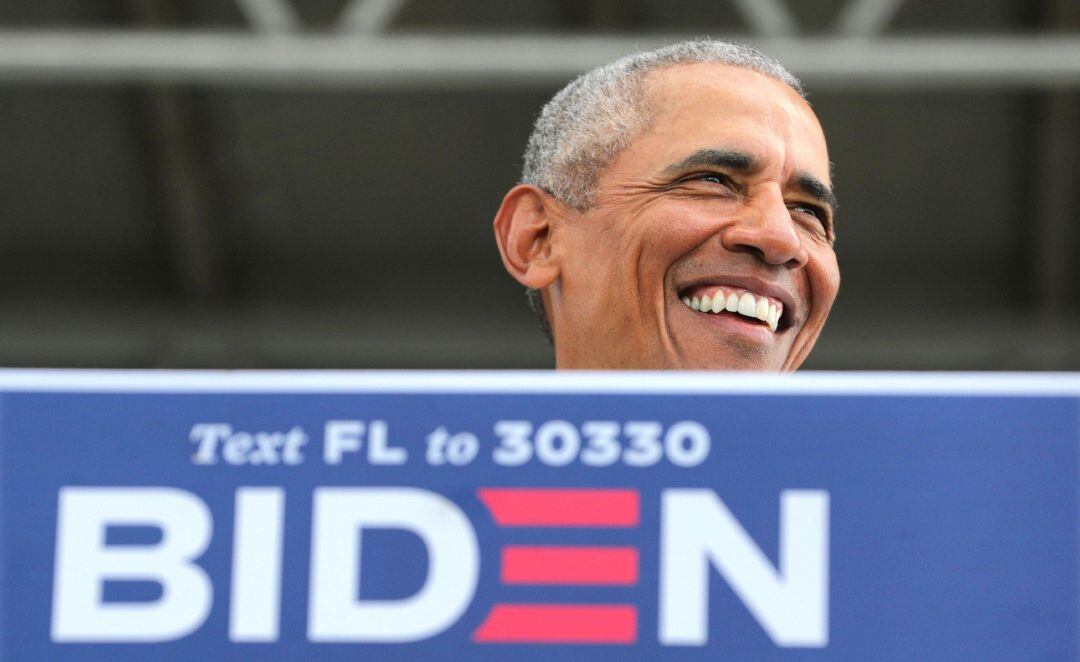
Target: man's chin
x,y
723,351
739,362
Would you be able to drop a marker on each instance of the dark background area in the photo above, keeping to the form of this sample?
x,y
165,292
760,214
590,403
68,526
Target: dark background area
x,y
251,225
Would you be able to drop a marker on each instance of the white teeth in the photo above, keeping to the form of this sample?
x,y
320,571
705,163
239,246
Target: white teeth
x,y
747,304
718,302
762,310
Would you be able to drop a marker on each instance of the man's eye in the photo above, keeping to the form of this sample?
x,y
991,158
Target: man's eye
x,y
816,212
714,178
807,209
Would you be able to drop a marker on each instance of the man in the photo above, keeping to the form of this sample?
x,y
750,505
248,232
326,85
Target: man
x,y
675,211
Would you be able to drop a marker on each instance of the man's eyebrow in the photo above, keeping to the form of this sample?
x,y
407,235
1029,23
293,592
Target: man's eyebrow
x,y
815,188
719,158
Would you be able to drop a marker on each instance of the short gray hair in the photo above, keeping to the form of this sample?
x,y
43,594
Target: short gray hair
x,y
598,114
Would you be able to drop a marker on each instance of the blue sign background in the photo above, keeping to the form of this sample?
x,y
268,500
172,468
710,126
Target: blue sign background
x,y
953,520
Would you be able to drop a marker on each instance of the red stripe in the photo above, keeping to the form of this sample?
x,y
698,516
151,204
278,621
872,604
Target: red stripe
x,y
559,624
612,566
562,507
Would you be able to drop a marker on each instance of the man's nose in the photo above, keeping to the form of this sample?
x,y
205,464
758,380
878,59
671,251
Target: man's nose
x,y
766,229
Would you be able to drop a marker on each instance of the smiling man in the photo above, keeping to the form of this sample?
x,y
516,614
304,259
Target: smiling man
x,y
676,211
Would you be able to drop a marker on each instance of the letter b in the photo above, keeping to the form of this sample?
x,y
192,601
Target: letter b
x,y
84,562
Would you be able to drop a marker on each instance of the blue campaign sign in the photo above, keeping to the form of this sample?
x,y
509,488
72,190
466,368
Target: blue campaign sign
x,y
342,516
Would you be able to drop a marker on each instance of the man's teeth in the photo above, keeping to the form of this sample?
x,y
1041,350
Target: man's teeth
x,y
747,304
762,310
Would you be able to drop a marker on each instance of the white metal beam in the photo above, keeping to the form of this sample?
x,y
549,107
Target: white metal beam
x,y
769,18
866,18
214,58
369,16
270,16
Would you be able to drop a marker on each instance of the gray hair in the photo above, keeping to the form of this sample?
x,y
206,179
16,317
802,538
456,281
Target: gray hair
x,y
598,114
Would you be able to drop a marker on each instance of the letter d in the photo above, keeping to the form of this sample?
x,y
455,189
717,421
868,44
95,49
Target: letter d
x,y
340,515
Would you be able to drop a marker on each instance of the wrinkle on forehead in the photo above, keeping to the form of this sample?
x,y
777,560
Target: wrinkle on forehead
x,y
766,115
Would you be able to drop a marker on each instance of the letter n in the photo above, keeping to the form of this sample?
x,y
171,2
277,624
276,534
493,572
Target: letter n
x,y
699,532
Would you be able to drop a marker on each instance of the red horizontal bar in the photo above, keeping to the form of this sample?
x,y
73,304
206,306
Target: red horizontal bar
x,y
562,507
610,566
559,624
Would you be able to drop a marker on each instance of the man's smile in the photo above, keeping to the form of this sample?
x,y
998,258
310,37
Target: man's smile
x,y
714,300
748,299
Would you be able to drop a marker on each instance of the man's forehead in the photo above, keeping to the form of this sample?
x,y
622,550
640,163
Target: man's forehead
x,y
678,82
694,106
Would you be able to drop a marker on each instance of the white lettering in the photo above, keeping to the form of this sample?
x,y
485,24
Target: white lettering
x,y
379,449
84,563
340,515
515,447
341,436
602,446
207,436
254,610
462,448
645,449
240,448
557,443
696,440
236,448
792,605
290,451
436,446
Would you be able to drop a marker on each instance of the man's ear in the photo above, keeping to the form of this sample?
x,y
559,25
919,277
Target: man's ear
x,y
524,226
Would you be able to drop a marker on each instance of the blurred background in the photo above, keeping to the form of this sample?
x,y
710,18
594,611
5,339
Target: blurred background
x,y
311,183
